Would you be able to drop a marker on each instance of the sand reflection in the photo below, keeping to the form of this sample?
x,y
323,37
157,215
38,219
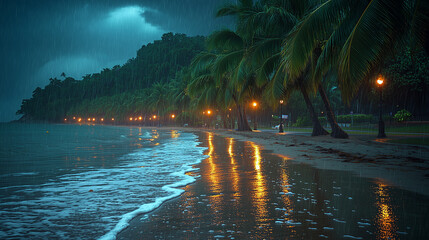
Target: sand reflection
x,y
260,189
235,177
385,219
214,178
175,134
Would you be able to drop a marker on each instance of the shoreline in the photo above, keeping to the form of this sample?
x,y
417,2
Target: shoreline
x,y
400,165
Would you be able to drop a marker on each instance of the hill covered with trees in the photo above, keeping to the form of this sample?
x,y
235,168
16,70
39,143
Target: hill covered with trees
x,y
118,91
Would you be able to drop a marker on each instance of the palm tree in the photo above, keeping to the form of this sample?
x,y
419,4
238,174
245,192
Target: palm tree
x,y
209,86
274,21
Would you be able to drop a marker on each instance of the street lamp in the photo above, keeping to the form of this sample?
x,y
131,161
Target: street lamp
x,y
254,104
208,118
281,117
381,133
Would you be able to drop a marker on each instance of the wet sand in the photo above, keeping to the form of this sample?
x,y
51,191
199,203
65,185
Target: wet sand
x,y
246,192
401,165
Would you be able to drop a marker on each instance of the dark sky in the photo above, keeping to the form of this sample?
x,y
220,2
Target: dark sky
x,y
41,39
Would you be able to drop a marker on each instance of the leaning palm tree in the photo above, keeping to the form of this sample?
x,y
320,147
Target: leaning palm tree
x,y
274,21
233,66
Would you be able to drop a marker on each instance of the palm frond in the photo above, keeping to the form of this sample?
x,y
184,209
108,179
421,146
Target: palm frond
x,y
371,40
315,27
226,63
267,69
329,57
224,40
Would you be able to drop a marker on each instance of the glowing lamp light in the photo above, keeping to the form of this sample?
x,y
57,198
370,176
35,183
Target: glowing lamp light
x,y
65,119
255,104
135,119
102,119
74,118
79,120
113,119
154,116
131,118
173,116
209,112
281,101
380,81
89,119
93,119
140,118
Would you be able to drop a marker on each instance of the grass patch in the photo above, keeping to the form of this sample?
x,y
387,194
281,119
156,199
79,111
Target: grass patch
x,y
415,141
418,128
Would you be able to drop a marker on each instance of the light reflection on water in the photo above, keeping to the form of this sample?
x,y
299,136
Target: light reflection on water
x,y
216,197
235,176
247,193
385,219
259,188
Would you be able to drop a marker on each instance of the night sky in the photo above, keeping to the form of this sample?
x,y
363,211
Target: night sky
x,y
41,39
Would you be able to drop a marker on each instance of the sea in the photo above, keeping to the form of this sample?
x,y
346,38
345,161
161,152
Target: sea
x,y
60,181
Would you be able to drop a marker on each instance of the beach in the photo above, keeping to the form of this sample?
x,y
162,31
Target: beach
x,y
256,185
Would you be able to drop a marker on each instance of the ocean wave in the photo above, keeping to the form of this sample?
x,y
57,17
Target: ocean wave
x,y
102,201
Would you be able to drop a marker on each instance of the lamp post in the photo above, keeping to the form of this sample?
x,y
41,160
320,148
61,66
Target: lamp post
x,y
254,104
381,133
172,117
281,117
208,118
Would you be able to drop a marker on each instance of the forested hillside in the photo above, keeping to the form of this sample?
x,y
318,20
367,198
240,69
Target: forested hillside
x,y
117,90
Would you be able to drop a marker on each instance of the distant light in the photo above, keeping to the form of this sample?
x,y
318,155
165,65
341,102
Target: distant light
x,y
65,119
209,112
113,119
93,119
79,120
131,118
89,119
255,104
135,119
140,118
230,109
281,101
172,116
74,118
154,116
380,81
102,119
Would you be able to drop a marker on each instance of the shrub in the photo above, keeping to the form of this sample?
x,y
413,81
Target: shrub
x,y
357,118
301,122
402,115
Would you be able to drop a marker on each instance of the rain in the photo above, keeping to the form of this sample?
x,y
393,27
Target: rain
x,y
217,119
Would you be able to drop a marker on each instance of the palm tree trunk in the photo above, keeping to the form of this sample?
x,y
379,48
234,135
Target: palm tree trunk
x,y
243,125
337,132
224,119
317,127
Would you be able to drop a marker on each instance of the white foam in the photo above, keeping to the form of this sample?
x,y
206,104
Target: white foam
x,y
103,200
364,223
291,222
352,237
